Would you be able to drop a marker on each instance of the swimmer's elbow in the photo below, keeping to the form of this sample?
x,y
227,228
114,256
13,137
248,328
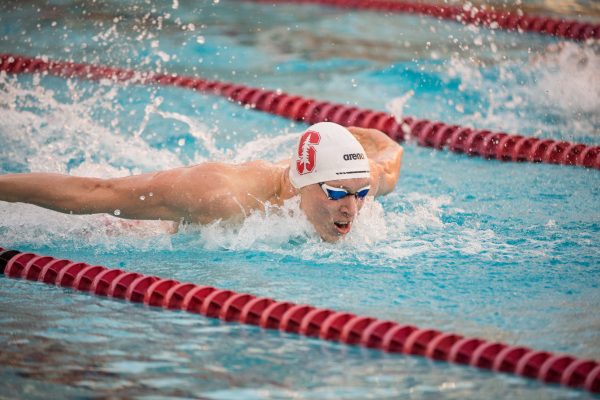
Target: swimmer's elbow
x,y
131,198
388,172
385,184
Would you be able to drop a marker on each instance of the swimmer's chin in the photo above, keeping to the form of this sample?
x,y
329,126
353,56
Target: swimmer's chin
x,y
334,238
328,239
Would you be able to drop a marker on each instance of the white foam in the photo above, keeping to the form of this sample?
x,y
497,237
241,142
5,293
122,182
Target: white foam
x,y
396,105
200,132
272,229
59,132
268,148
569,78
28,225
562,83
391,235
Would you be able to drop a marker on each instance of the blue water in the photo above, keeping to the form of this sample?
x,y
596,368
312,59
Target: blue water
x,y
503,251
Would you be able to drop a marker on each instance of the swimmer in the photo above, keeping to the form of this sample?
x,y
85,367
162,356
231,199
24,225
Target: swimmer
x,y
332,169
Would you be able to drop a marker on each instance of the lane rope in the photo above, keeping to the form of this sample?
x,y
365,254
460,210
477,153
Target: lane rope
x,y
303,319
439,135
469,15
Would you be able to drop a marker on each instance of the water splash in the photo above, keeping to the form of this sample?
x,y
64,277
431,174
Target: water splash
x,y
268,148
22,222
49,134
379,237
396,105
198,131
555,94
275,228
569,78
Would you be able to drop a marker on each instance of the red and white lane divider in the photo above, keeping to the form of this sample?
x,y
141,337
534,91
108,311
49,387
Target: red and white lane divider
x,y
508,20
439,135
303,319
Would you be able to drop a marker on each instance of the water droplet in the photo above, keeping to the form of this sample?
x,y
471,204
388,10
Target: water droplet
x,y
117,212
142,198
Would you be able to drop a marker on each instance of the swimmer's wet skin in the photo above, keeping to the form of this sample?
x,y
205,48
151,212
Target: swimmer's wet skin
x,y
336,194
332,169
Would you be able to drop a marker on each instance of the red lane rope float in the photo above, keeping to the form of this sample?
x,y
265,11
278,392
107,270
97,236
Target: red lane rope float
x,y
512,21
484,143
304,319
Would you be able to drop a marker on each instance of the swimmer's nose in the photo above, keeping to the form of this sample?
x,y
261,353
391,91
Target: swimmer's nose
x,y
349,206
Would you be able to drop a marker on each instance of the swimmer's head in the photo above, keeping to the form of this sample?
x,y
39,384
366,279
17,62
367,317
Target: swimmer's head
x,y
330,169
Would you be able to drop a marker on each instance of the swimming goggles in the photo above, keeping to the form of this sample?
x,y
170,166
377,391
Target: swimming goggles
x,y
334,193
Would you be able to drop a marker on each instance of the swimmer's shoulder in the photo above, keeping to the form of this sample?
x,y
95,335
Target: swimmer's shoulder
x,y
266,181
260,178
230,167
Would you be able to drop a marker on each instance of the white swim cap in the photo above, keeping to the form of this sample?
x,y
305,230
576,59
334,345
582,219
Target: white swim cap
x,y
327,152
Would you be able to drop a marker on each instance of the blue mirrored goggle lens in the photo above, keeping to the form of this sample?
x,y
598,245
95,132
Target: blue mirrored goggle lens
x,y
361,194
341,193
336,194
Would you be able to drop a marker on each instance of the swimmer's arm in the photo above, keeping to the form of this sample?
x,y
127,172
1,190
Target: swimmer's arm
x,y
147,196
385,156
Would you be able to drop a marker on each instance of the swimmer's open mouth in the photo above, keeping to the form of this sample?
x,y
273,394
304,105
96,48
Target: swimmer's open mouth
x,y
343,227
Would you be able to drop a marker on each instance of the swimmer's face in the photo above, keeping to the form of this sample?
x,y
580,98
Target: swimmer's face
x,y
332,219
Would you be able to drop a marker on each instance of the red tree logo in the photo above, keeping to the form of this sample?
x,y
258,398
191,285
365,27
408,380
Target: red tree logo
x,y
307,154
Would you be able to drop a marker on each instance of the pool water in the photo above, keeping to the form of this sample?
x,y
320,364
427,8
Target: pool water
x,y
503,251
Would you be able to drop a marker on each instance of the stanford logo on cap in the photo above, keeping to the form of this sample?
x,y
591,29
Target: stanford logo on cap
x,y
307,154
